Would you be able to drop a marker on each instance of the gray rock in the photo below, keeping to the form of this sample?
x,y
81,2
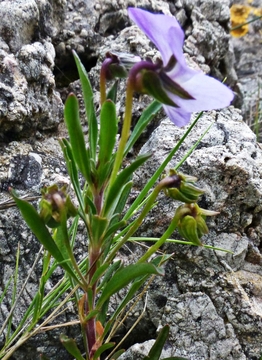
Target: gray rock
x,y
227,162
19,22
27,168
210,299
28,97
89,28
248,67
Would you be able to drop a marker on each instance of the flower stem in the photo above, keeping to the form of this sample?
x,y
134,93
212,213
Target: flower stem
x,y
163,183
125,132
104,73
153,249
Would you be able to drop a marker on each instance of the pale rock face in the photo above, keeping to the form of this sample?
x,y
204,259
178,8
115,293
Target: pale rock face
x,y
28,97
227,161
210,299
19,22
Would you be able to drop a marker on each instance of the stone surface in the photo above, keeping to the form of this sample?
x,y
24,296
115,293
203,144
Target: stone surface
x,y
52,29
227,162
247,51
29,101
211,299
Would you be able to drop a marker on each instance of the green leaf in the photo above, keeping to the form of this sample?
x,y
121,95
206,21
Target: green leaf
x,y
89,106
111,269
175,358
112,93
41,289
103,314
161,168
108,131
155,352
72,169
38,227
98,227
116,355
104,172
115,227
89,205
6,288
76,136
123,197
91,315
115,191
148,114
71,347
124,276
136,285
59,240
103,348
99,273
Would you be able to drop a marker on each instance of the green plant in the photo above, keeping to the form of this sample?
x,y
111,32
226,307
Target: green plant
x,y
102,203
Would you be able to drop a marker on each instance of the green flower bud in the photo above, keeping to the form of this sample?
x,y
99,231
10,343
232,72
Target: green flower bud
x,y
183,188
191,224
188,229
52,203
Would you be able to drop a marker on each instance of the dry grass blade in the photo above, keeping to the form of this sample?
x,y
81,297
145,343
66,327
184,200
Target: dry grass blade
x,y
130,330
11,203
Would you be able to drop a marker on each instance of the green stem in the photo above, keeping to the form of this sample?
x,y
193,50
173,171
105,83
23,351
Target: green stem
x,y
84,283
153,249
63,217
102,86
161,168
125,132
163,183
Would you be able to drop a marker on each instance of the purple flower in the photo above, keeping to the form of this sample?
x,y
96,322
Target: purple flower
x,y
188,90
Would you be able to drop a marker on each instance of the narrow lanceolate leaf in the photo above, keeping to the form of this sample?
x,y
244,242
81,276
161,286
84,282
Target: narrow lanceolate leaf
x,y
101,349
116,189
176,358
155,351
145,118
71,347
124,276
89,105
99,273
71,168
108,131
76,136
112,93
136,285
38,227
117,354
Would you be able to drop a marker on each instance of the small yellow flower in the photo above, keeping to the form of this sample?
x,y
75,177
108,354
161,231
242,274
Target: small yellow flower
x,y
239,14
239,18
257,11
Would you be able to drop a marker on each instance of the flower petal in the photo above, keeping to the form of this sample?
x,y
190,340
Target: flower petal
x,y
178,116
208,93
157,28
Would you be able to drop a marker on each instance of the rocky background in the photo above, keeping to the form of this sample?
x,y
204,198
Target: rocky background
x,y
212,300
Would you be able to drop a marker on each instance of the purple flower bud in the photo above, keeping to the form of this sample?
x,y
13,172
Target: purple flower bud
x,y
117,65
